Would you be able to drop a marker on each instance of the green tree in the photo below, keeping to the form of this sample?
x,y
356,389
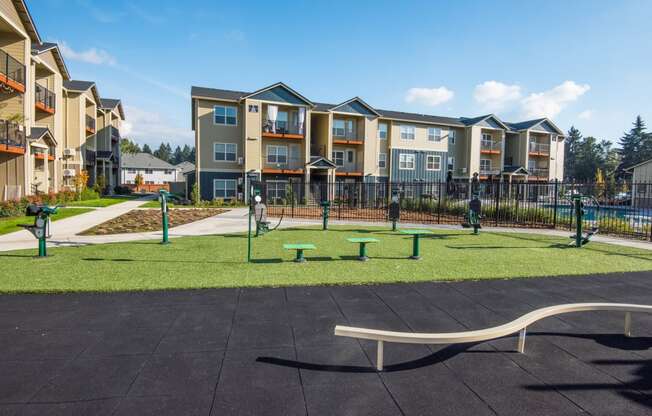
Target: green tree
x,y
127,146
635,146
164,152
588,159
570,152
177,156
147,149
186,153
610,159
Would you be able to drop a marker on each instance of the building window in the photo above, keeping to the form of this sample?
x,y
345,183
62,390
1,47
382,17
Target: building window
x,y
451,163
485,165
350,156
343,128
382,160
168,172
131,170
225,152
224,188
486,137
407,132
382,131
406,161
225,115
282,121
276,190
149,171
433,162
277,154
434,134
452,135
338,158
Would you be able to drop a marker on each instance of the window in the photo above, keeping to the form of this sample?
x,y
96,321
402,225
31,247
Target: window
x,y
485,165
224,188
350,156
253,108
130,170
407,132
277,154
225,115
225,152
343,128
434,134
406,161
382,160
168,172
451,163
282,121
486,137
276,190
433,162
338,158
382,131
452,135
149,182
149,171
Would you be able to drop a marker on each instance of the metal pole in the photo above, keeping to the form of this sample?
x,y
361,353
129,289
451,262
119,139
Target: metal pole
x,y
554,214
42,251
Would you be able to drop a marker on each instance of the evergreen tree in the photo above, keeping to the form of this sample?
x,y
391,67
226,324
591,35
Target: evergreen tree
x,y
185,154
163,152
588,159
177,156
192,155
634,146
570,152
610,159
127,146
147,149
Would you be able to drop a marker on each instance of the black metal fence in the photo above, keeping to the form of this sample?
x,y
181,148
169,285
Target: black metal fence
x,y
620,209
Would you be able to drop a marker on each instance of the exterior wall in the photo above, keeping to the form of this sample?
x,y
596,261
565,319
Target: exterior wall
x,y
419,173
158,176
12,174
212,133
253,147
206,182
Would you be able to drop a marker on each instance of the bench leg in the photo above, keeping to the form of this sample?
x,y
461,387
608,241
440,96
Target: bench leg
x,y
363,252
521,340
628,324
300,258
415,248
379,356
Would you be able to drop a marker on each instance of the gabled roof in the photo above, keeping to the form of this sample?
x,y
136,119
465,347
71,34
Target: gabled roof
x,y
185,166
26,19
530,124
37,133
144,161
321,162
218,94
39,48
420,118
475,120
350,103
282,86
83,86
112,104
645,162
515,170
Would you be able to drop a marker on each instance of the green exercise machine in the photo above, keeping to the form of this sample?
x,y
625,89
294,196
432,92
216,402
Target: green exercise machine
x,y
164,197
580,237
325,213
473,215
394,211
41,227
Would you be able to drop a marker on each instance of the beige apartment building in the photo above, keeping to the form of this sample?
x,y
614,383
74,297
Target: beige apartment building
x,y
280,136
48,121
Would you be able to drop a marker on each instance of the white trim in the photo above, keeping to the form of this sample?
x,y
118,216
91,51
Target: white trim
x,y
16,27
414,161
225,153
225,116
287,154
385,161
214,170
235,181
414,132
420,149
433,170
435,139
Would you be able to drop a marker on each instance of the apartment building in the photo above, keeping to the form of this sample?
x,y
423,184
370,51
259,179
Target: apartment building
x,y
281,136
109,120
47,121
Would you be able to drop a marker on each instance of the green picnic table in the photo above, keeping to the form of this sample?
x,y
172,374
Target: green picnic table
x,y
363,246
299,248
415,233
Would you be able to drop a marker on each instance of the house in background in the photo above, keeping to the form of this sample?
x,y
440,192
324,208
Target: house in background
x,y
156,173
641,184
182,170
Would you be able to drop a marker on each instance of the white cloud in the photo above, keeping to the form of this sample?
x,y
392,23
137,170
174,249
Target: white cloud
x,y
429,96
494,95
585,115
550,103
150,127
91,56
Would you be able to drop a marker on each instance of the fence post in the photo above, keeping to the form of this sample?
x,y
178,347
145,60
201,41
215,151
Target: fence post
x,y
497,201
554,214
439,205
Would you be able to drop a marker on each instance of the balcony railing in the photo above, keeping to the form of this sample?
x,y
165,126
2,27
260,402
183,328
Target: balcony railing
x,y
540,148
12,72
339,134
11,135
284,163
487,172
90,124
539,172
45,99
281,128
490,146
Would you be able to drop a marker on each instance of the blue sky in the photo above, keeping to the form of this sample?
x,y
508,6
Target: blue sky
x,y
582,63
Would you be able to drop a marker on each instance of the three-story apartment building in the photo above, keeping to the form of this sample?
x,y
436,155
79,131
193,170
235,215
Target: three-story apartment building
x,y
282,137
47,121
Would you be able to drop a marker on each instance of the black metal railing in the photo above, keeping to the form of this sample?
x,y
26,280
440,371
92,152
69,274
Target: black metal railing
x,y
90,123
339,134
281,127
90,157
618,209
45,97
11,134
11,68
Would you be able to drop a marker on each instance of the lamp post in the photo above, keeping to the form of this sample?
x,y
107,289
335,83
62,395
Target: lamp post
x,y
251,176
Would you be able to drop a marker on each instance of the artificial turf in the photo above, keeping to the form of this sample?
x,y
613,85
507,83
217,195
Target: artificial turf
x,y
220,261
10,224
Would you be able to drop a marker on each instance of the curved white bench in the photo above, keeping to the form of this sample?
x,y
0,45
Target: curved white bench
x,y
517,325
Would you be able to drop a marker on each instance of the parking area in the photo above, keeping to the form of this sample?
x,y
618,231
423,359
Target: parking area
x,y
272,351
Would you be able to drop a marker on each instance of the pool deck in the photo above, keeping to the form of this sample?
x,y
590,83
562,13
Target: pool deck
x,y
272,351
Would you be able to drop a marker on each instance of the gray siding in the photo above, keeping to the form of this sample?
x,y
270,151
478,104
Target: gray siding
x,y
354,107
419,173
279,94
206,182
544,127
491,123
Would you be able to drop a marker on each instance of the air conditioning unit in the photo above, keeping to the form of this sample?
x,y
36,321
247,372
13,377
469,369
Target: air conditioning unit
x,y
240,161
69,152
68,172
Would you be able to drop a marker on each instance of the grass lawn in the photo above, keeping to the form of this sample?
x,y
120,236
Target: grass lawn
x,y
100,202
9,225
219,261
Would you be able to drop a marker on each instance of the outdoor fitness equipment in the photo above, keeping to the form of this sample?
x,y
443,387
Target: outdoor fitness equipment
x,y
472,217
163,197
41,226
394,211
325,213
260,215
580,237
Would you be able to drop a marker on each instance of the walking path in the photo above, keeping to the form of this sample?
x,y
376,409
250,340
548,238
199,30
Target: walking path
x,y
233,221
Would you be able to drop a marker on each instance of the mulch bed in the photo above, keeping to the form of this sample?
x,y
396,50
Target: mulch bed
x,y
144,220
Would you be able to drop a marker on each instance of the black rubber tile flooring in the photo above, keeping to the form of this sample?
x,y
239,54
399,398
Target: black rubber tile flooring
x,y
273,352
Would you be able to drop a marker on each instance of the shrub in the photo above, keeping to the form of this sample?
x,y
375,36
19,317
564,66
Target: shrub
x,y
87,194
122,190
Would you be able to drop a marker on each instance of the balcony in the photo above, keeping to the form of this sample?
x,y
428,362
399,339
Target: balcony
x,y
12,73
90,125
485,173
539,173
490,147
346,137
282,130
45,99
115,135
539,149
12,137
284,166
351,170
